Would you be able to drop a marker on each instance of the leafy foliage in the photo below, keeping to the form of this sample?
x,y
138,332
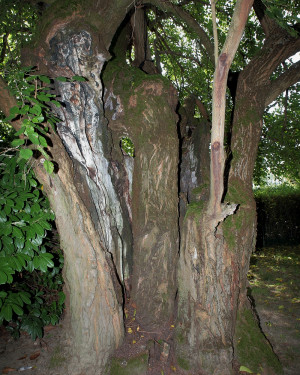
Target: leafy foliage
x,y
278,152
178,51
30,269
33,110
127,146
17,20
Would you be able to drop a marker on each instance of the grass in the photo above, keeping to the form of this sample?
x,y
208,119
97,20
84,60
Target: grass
x,y
275,290
274,275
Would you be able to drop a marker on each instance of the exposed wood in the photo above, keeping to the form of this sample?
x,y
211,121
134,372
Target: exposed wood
x,y
232,41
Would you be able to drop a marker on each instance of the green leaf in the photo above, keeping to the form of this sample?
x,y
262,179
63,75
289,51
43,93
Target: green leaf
x,y
3,217
43,141
56,103
26,153
61,79
6,229
32,182
43,98
17,142
44,79
38,229
61,298
24,110
17,309
3,277
36,110
49,166
6,312
19,242
25,297
79,78
47,257
16,232
32,325
38,119
14,111
245,369
34,138
21,131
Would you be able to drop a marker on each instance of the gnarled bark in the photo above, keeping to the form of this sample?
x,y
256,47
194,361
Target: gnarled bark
x,y
147,116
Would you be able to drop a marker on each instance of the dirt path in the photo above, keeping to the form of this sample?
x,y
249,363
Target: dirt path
x,y
275,283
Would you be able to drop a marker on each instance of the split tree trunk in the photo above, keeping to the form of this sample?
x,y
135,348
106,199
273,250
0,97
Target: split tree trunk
x,y
147,116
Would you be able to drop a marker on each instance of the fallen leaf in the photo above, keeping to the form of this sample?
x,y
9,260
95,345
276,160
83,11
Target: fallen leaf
x,y
24,356
129,330
34,355
133,341
6,370
246,369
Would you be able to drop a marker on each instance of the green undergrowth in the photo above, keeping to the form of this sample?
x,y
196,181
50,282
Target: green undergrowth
x,y
31,262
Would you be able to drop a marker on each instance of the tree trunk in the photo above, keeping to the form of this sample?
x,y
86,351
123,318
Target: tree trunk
x,y
91,219
148,117
84,192
251,347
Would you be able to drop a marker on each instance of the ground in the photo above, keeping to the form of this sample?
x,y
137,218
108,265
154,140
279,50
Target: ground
x,y
275,286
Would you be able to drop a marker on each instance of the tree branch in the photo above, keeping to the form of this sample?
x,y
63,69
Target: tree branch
x,y
266,22
215,30
189,20
4,47
284,81
217,158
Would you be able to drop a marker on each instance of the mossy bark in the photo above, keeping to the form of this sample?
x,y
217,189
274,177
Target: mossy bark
x,y
147,116
84,192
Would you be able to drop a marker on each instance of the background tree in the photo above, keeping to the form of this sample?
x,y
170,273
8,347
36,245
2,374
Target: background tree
x,y
117,216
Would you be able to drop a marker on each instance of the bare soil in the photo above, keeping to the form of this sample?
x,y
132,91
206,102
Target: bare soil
x,y
275,286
